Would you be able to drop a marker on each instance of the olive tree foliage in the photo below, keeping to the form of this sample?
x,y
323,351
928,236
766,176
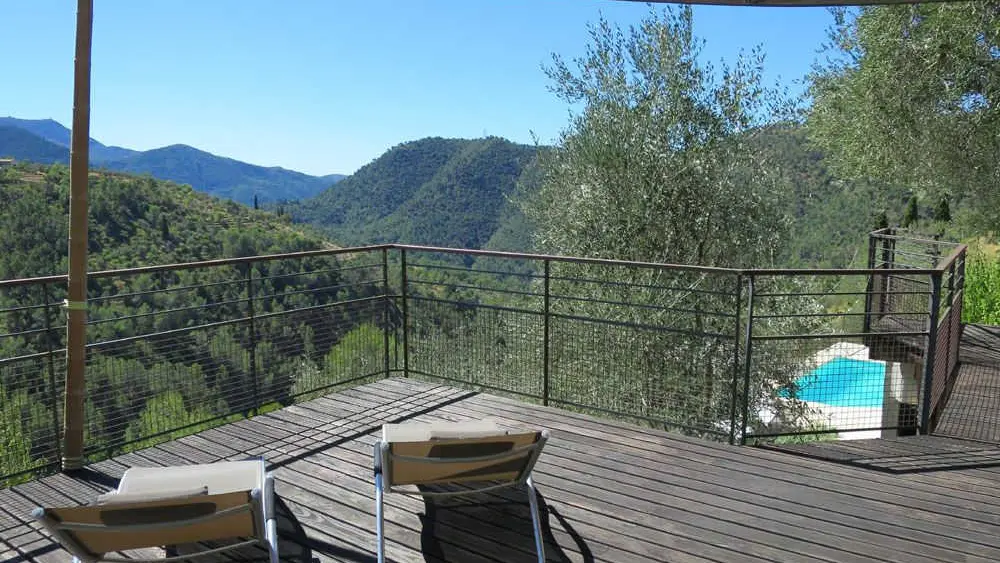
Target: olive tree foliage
x,y
659,164
910,95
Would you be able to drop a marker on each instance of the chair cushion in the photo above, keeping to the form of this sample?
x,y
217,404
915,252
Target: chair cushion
x,y
423,432
115,497
221,477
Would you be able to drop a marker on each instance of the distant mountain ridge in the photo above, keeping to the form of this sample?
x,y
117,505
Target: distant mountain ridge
x,y
46,141
29,146
52,131
443,192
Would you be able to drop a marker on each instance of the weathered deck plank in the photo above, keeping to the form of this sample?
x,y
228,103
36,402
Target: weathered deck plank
x,y
610,491
973,407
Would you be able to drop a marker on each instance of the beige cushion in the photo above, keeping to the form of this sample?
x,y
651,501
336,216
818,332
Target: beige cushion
x,y
115,497
425,432
222,477
120,537
454,452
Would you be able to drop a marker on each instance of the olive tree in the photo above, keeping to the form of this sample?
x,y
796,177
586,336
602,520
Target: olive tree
x,y
659,164
910,95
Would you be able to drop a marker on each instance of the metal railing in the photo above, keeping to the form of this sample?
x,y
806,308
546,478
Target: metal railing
x,y
726,354
178,348
899,253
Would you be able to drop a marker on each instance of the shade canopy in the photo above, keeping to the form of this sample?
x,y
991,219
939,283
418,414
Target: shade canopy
x,y
790,3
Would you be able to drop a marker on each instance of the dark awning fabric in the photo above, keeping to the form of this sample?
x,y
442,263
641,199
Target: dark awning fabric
x,y
789,3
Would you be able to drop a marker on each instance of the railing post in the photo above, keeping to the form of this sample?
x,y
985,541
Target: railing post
x,y
872,247
50,366
888,261
736,359
929,355
385,308
747,359
253,340
545,334
76,290
406,313
951,281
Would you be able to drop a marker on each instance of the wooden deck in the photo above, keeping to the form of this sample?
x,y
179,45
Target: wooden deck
x,y
973,407
609,491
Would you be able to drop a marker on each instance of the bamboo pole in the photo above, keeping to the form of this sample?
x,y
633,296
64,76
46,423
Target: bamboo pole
x,y
76,304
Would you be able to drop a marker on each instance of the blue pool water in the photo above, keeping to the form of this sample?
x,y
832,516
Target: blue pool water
x,y
844,382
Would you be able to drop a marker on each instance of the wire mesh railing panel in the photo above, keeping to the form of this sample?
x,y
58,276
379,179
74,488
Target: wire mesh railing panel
x,y
476,322
32,367
176,349
150,388
644,343
314,351
948,333
899,292
477,346
320,323
167,354
906,299
942,361
815,373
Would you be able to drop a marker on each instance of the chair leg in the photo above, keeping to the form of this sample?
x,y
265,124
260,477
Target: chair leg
x,y
270,517
536,520
272,540
379,520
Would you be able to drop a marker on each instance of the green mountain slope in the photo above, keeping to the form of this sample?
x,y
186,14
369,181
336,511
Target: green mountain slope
x,y
446,192
172,352
133,222
830,218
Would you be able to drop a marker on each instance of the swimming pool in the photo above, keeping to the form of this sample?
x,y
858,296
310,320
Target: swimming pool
x,y
844,382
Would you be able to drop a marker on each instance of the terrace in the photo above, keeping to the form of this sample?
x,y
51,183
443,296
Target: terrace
x,y
649,376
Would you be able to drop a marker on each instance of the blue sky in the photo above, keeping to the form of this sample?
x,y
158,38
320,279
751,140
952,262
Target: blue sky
x,y
325,86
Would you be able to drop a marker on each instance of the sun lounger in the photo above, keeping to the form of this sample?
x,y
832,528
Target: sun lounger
x,y
481,456
165,506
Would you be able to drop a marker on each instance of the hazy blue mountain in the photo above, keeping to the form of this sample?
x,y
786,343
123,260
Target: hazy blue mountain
x,y
221,176
46,141
23,145
54,132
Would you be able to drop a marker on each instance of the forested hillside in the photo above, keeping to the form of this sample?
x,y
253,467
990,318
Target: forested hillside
x,y
166,350
134,221
444,192
829,217
459,193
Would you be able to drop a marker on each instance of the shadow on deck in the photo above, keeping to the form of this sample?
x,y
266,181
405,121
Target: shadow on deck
x,y
610,492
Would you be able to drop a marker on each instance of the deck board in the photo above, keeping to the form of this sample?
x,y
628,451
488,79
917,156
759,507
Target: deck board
x,y
973,407
610,491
